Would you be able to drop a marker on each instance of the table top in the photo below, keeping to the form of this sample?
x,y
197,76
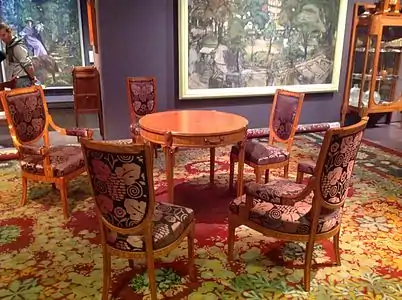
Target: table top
x,y
193,122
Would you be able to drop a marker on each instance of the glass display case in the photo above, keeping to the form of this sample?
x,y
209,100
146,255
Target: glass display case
x,y
374,82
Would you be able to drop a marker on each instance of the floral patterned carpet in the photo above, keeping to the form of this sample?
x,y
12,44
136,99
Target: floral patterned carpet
x,y
44,257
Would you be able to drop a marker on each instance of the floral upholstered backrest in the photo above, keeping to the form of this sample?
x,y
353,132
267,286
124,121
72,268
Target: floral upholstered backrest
x,y
284,114
142,95
120,183
27,112
342,146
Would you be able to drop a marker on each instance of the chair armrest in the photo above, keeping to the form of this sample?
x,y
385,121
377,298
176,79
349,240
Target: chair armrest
x,y
135,129
255,133
254,189
306,167
79,132
33,150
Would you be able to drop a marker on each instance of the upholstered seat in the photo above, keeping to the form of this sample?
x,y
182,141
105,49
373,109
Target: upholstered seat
x,y
260,154
64,160
29,121
275,191
169,222
286,218
306,167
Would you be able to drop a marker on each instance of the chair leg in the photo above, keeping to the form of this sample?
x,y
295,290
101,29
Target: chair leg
x,y
286,171
258,175
299,177
107,273
151,265
266,175
231,173
54,186
190,241
307,265
24,187
336,248
63,197
131,263
155,146
231,237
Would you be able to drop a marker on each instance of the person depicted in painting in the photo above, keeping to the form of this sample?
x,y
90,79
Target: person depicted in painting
x,y
18,64
33,40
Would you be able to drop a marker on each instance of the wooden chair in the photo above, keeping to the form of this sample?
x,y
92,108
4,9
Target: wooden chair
x,y
132,224
141,96
28,121
283,123
297,212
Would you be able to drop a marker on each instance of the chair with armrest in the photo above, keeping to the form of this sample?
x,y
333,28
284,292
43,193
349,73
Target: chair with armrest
x,y
28,121
141,96
132,224
303,212
284,119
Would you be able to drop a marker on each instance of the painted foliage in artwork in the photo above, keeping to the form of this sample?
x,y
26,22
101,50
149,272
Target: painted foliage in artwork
x,y
52,34
261,43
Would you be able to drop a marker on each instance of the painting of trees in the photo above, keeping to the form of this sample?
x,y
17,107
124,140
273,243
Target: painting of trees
x,y
54,27
257,43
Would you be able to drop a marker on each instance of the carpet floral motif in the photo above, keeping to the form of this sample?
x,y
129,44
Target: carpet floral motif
x,y
44,257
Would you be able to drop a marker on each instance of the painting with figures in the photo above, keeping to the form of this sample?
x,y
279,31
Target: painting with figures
x,y
52,33
252,47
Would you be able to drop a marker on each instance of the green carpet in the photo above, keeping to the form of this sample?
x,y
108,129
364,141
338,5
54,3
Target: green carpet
x,y
44,257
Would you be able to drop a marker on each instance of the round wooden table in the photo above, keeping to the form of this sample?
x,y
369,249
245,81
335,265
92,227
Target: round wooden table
x,y
195,129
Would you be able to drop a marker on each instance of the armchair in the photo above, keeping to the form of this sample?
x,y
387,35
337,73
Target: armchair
x,y
303,212
132,224
141,96
28,121
283,123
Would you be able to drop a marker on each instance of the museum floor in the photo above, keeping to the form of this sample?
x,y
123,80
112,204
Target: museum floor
x,y
44,257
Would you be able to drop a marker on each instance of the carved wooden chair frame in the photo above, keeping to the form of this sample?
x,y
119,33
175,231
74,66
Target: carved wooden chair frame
x,y
273,138
28,148
144,228
314,184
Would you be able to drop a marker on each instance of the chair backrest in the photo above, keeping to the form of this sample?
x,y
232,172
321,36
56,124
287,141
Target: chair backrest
x,y
121,177
285,114
141,95
27,114
334,167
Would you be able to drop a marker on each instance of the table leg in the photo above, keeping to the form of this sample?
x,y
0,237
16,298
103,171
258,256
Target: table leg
x,y
240,168
211,165
169,164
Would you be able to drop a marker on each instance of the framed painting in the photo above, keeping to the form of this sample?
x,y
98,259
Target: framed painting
x,y
52,32
253,47
92,25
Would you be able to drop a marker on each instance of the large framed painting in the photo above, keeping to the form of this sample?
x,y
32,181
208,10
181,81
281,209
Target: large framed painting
x,y
230,48
52,32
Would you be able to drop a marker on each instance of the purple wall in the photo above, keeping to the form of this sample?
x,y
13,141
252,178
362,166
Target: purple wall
x,y
138,38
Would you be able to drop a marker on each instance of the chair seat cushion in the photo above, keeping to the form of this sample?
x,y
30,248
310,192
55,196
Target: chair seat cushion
x,y
285,218
306,167
170,221
275,190
64,160
260,154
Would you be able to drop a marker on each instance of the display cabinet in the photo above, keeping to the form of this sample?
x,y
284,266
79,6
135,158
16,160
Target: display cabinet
x,y
87,94
373,83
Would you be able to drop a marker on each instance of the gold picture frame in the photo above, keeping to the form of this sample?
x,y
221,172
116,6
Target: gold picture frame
x,y
313,70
